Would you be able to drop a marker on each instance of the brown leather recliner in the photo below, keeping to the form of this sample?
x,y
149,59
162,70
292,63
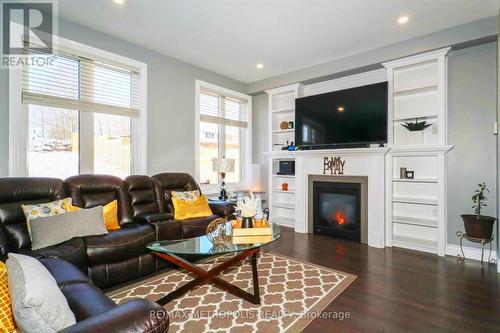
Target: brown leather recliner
x,y
93,310
167,182
121,255
145,214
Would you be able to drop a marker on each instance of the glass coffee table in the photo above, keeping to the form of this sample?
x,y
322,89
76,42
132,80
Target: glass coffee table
x,y
172,251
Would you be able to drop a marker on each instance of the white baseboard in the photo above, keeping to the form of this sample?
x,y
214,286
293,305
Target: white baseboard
x,y
470,252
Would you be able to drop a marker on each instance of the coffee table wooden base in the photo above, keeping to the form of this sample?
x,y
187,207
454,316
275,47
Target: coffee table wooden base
x,y
210,276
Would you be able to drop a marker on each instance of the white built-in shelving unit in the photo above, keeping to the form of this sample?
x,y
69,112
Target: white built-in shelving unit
x,y
281,109
416,208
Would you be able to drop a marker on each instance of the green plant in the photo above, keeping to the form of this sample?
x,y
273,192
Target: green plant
x,y
416,126
479,199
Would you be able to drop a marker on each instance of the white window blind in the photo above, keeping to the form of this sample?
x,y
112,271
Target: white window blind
x,y
223,110
78,83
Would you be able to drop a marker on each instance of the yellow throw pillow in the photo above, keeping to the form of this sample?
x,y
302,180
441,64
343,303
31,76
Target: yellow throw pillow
x,y
6,317
109,214
185,209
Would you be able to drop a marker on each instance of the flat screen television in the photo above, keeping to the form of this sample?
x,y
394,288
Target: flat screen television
x,y
350,117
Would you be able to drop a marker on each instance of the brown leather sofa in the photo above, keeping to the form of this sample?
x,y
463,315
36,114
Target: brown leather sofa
x,y
145,214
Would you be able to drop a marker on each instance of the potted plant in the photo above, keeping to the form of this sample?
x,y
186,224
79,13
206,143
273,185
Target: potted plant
x,y
415,135
477,225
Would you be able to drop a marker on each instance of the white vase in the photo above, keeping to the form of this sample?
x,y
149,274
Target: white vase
x,y
260,213
415,138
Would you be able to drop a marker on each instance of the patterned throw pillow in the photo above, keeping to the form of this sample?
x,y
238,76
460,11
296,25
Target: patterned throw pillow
x,y
6,317
190,196
186,209
109,213
45,209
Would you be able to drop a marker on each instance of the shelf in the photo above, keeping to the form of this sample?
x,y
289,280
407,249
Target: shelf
x,y
284,205
283,176
423,150
412,243
423,222
280,191
415,180
401,119
285,221
284,110
417,90
418,201
284,131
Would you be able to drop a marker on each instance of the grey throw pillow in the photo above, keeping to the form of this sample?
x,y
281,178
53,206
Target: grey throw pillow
x,y
38,304
52,230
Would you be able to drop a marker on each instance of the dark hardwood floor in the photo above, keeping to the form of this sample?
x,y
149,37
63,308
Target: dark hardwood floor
x,y
399,290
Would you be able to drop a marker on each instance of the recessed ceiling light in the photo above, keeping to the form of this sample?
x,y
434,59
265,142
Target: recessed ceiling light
x,y
340,109
120,2
403,19
259,65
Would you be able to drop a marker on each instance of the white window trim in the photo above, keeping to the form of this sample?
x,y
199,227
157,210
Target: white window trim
x,y
18,114
247,148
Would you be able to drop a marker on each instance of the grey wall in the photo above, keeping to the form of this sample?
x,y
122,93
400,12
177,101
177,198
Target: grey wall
x,y
171,100
471,112
468,33
472,89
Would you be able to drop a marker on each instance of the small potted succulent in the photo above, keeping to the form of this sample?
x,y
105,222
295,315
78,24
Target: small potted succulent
x,y
415,135
477,225
248,209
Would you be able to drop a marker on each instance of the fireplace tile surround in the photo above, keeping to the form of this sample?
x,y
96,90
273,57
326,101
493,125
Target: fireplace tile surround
x,y
339,185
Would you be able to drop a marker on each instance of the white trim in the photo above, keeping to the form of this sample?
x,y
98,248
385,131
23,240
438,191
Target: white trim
x,y
247,142
18,132
18,135
347,82
471,253
322,152
418,58
285,89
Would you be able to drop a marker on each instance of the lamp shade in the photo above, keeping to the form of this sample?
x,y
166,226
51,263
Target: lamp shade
x,y
221,164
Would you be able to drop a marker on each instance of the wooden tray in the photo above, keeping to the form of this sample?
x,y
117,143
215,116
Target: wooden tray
x,y
237,232
252,239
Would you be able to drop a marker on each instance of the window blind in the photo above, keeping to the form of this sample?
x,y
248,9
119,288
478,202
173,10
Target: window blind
x,y
223,110
79,83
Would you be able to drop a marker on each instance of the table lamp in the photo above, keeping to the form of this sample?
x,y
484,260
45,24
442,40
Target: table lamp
x,y
223,165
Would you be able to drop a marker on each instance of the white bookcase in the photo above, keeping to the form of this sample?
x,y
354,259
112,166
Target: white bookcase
x,y
416,208
281,109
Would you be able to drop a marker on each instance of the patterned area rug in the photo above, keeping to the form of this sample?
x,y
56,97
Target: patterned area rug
x,y
293,293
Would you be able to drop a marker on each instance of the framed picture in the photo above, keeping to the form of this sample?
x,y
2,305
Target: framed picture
x,y
410,174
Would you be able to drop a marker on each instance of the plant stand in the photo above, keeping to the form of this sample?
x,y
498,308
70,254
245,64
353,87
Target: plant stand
x,y
482,241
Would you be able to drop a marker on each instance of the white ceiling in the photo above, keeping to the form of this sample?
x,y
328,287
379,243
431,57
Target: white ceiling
x,y
231,36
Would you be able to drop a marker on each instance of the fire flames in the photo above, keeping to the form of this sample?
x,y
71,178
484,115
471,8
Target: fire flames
x,y
340,218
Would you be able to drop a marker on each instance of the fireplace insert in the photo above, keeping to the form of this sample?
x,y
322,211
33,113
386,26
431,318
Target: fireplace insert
x,y
337,209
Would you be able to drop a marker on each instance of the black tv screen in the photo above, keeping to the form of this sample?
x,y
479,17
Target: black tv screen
x,y
355,116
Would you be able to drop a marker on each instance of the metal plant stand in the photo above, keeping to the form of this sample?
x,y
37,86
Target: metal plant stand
x,y
482,241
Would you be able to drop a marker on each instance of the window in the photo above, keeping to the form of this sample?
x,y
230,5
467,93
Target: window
x,y
82,114
224,131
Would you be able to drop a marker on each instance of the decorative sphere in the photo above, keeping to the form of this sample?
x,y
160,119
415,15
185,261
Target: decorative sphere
x,y
219,231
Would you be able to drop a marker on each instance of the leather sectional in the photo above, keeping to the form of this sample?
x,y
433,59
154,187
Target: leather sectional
x,y
84,266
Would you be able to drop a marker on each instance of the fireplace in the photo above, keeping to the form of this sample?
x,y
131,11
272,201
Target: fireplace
x,y
337,209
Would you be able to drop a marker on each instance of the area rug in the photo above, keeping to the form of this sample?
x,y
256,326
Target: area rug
x,y
293,293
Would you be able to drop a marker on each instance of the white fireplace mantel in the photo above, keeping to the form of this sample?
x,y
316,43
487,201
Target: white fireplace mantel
x,y
362,162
